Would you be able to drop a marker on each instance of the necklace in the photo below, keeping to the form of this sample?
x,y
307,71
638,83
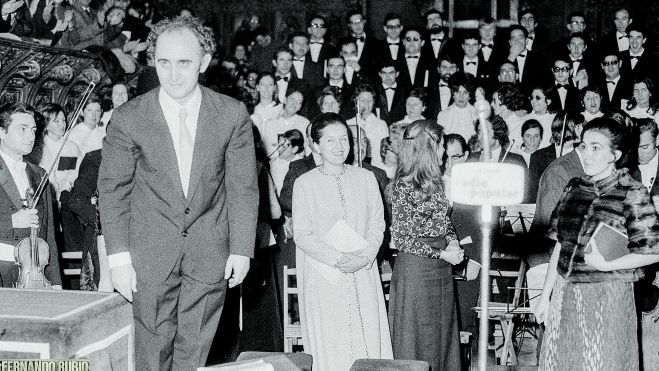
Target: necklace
x,y
324,172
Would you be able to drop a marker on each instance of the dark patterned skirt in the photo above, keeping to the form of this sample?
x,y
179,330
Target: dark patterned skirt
x,y
423,314
591,327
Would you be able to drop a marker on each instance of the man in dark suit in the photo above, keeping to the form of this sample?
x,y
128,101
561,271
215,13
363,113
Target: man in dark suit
x,y
584,68
390,101
564,95
17,135
440,95
532,66
638,61
392,47
438,43
304,68
618,41
368,47
336,78
472,61
575,22
179,201
614,86
492,49
536,41
286,81
319,48
416,69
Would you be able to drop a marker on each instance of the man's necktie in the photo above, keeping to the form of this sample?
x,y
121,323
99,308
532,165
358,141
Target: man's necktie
x,y
285,78
186,149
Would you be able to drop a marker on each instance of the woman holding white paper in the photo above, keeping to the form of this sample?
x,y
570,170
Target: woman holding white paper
x,y
338,219
591,319
422,309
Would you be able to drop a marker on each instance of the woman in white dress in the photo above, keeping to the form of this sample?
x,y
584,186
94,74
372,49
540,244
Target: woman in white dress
x,y
268,106
342,309
592,103
540,102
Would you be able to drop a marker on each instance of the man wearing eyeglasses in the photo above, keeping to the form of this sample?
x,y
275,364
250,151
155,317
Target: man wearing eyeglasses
x,y
319,48
393,44
368,47
416,70
614,87
565,96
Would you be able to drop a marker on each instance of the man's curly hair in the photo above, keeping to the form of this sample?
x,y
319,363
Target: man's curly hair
x,y
193,24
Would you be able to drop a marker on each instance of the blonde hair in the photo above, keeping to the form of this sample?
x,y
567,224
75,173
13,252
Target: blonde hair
x,y
419,163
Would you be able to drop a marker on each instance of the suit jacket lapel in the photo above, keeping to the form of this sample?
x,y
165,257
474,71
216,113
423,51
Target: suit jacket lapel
x,y
203,144
7,183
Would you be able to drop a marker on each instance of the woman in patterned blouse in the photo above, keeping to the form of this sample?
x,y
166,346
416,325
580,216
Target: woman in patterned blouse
x,y
591,319
422,312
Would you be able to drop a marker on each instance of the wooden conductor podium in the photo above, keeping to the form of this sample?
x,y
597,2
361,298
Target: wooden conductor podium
x,y
36,324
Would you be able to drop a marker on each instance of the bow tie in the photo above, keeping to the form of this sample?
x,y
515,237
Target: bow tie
x,y
360,38
394,44
285,78
486,46
611,82
530,37
443,84
521,56
468,63
412,56
577,60
316,42
622,37
436,39
298,59
390,88
561,86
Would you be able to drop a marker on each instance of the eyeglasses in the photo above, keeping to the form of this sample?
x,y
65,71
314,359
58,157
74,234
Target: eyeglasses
x,y
561,69
507,72
609,63
578,23
435,18
317,25
415,39
537,97
393,26
357,21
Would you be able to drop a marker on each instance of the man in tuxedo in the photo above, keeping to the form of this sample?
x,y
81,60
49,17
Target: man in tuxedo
x,y
472,61
492,50
368,47
354,70
638,61
17,135
319,48
393,45
390,103
532,67
336,78
437,40
179,202
618,41
303,67
584,70
565,96
614,86
286,81
528,18
440,96
416,70
576,22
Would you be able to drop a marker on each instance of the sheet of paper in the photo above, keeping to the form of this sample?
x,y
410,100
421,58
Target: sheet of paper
x,y
7,253
466,240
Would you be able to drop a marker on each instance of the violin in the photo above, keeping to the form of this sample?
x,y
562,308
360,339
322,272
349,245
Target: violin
x,y
31,255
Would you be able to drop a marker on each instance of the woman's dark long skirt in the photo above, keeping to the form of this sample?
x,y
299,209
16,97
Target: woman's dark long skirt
x,y
423,314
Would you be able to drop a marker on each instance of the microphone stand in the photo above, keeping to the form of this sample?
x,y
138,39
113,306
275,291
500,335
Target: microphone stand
x,y
560,153
359,134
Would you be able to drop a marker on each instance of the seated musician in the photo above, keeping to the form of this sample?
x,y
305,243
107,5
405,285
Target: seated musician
x,y
17,135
